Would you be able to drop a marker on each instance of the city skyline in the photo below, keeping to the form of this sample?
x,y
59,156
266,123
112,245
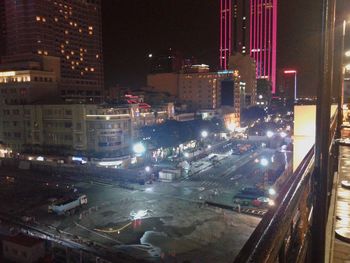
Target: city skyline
x,y
126,59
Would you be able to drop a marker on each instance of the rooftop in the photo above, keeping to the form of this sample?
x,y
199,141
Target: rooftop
x,y
23,240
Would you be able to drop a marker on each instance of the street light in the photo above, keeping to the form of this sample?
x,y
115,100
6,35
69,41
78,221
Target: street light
x,y
283,134
204,134
139,148
147,169
264,162
270,134
272,191
293,71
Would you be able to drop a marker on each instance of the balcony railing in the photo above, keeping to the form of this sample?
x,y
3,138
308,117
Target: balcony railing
x,y
285,232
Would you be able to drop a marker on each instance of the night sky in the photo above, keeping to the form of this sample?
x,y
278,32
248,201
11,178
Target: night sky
x,y
134,28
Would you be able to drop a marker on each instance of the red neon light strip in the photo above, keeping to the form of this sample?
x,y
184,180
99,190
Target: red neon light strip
x,y
230,28
221,34
269,43
265,41
274,46
251,27
259,38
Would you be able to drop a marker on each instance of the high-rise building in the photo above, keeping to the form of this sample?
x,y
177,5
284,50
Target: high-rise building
x,y
234,29
263,38
225,32
250,27
69,30
2,29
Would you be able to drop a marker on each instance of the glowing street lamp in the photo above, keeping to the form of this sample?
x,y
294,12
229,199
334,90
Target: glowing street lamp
x,y
283,134
147,169
270,134
139,148
264,162
293,71
204,134
272,191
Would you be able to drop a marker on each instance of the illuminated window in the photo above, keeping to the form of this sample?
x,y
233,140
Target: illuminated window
x,y
91,28
82,73
56,19
72,52
75,24
66,32
67,57
86,69
73,67
97,56
92,69
81,59
90,32
44,19
38,18
80,30
71,23
67,42
46,53
40,52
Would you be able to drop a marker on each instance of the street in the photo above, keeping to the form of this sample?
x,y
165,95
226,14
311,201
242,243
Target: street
x,y
153,221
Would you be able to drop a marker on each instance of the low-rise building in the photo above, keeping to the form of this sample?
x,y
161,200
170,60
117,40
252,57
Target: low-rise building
x,y
200,89
39,80
68,129
23,249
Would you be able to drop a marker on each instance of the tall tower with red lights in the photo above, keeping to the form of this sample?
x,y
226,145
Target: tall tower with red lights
x,y
225,32
250,27
263,39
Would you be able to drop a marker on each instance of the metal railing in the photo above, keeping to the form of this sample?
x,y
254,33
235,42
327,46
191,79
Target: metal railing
x,y
285,232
